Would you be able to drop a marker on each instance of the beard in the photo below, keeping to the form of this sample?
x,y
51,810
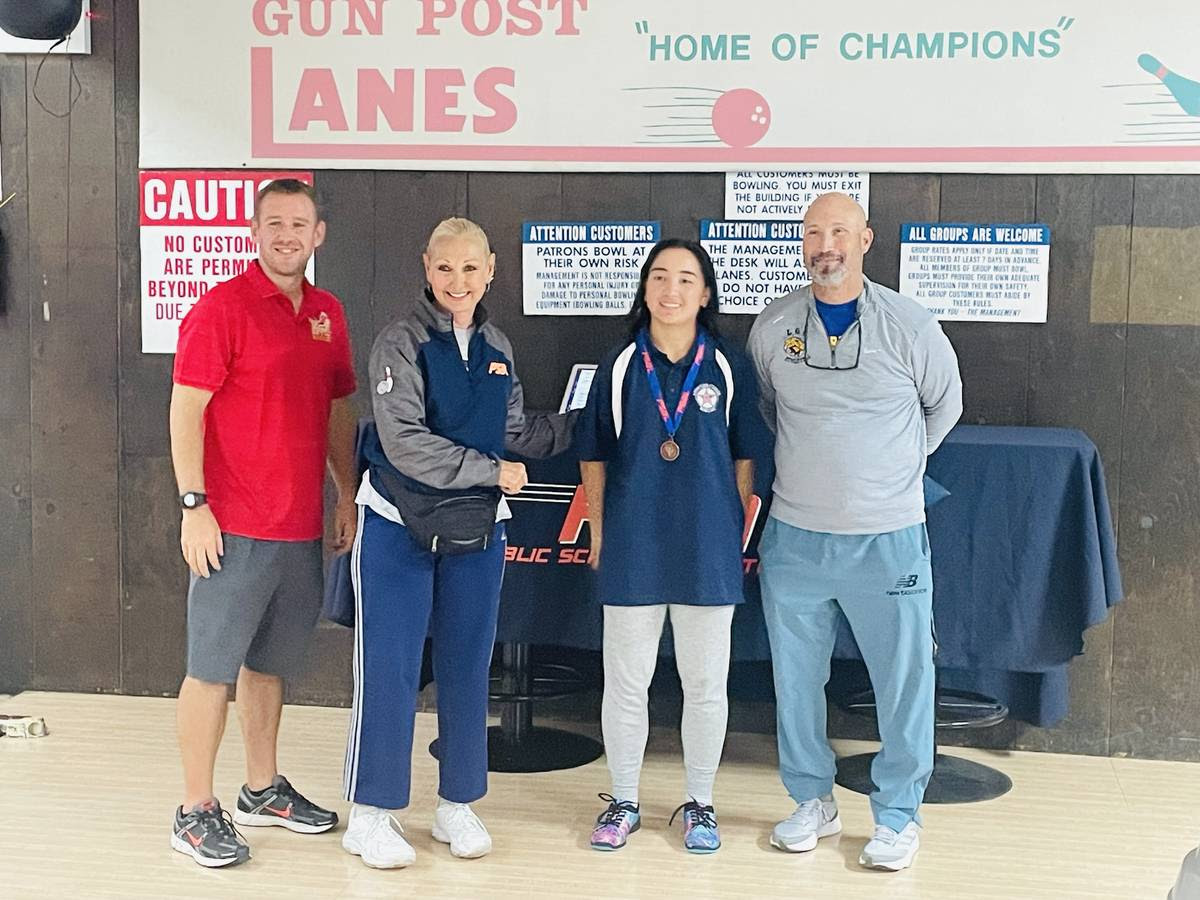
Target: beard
x,y
827,270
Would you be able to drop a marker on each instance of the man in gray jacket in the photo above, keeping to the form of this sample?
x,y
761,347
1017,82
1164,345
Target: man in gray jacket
x,y
859,384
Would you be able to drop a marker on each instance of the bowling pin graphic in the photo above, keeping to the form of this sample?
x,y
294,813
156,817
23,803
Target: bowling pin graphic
x,y
1185,91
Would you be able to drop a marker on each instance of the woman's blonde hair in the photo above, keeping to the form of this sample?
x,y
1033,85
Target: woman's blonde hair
x,y
456,227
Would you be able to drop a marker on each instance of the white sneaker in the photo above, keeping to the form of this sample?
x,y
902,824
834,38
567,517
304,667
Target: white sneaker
x,y
813,819
456,825
891,850
376,836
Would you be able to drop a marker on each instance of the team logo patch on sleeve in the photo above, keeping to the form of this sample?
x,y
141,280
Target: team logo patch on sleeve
x,y
497,368
385,384
707,397
322,328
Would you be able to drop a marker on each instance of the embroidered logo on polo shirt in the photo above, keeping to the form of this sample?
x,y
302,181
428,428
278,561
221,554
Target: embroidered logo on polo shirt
x,y
793,347
707,397
497,368
322,328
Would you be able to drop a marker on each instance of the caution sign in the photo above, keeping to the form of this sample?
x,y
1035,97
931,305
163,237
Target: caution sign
x,y
195,233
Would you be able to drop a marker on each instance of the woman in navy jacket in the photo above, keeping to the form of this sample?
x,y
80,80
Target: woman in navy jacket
x,y
447,404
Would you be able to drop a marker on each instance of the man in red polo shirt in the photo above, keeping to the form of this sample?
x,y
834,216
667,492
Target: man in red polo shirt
x,y
263,375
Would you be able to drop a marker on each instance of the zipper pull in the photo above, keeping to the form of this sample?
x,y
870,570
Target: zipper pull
x,y
833,341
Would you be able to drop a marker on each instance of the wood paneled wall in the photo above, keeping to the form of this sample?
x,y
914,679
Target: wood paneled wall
x,y
91,586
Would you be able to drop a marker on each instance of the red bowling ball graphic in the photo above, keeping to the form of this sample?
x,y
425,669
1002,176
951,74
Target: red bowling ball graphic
x,y
741,117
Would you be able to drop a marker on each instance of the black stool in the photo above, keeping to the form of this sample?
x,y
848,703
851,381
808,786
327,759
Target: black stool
x,y
516,744
954,780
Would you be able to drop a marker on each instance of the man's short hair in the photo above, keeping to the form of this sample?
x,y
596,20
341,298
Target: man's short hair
x,y
289,186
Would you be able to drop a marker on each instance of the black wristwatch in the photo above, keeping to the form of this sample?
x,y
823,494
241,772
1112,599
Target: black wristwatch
x,y
192,499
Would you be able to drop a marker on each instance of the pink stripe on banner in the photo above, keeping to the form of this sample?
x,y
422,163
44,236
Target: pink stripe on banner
x,y
263,145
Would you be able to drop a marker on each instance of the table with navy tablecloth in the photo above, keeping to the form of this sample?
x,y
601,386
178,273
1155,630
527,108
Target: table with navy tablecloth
x,y
1024,562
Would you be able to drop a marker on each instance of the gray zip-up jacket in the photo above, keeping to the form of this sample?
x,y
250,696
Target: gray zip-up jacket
x,y
444,421
854,419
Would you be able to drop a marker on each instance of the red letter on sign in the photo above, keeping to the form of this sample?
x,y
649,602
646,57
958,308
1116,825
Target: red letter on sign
x,y
751,511
279,22
317,100
567,22
395,101
504,111
431,11
440,99
577,514
358,11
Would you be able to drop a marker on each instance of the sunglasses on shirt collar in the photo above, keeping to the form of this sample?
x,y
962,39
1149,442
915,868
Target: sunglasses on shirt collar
x,y
835,353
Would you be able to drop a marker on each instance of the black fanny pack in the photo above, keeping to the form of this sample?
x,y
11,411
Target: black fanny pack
x,y
445,522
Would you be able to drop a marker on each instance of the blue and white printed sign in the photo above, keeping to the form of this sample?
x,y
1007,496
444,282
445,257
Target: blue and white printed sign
x,y
583,268
755,261
788,195
974,272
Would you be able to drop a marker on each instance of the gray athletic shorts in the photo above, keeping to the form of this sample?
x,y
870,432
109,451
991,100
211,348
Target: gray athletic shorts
x,y
259,610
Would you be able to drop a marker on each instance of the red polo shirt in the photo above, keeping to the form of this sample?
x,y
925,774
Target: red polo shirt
x,y
273,373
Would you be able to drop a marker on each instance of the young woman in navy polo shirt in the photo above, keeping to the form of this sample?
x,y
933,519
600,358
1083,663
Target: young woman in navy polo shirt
x,y
665,446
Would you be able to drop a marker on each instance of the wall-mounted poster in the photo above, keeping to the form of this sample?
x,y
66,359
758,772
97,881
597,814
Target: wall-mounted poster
x,y
195,230
787,195
583,268
985,273
755,261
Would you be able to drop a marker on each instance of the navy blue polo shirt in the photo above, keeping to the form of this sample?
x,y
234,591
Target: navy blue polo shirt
x,y
672,530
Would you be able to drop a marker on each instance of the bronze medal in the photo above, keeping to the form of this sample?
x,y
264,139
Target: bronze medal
x,y
669,450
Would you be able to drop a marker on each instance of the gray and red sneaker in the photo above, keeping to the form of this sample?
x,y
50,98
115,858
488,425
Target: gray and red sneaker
x,y
282,804
207,835
615,824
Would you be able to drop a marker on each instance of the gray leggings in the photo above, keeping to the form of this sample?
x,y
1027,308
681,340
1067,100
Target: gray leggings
x,y
631,638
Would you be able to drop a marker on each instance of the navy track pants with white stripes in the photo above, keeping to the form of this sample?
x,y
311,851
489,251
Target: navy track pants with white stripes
x,y
403,593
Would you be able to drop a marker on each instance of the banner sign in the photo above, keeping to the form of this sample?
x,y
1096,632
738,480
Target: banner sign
x,y
583,268
969,272
195,231
711,85
787,195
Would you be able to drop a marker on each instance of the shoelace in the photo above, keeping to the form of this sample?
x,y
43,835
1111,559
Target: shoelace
x,y
617,810
703,816
387,822
218,820
810,812
288,794
886,835
462,815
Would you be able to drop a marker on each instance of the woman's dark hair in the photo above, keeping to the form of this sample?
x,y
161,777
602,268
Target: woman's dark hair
x,y
639,316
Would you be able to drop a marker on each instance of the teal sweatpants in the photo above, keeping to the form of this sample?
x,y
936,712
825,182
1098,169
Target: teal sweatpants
x,y
884,586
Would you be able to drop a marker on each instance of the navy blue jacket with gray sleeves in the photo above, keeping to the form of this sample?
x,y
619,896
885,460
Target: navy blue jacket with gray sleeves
x,y
444,422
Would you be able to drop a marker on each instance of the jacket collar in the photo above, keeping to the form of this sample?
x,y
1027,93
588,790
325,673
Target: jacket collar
x,y
265,287
866,300
438,320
